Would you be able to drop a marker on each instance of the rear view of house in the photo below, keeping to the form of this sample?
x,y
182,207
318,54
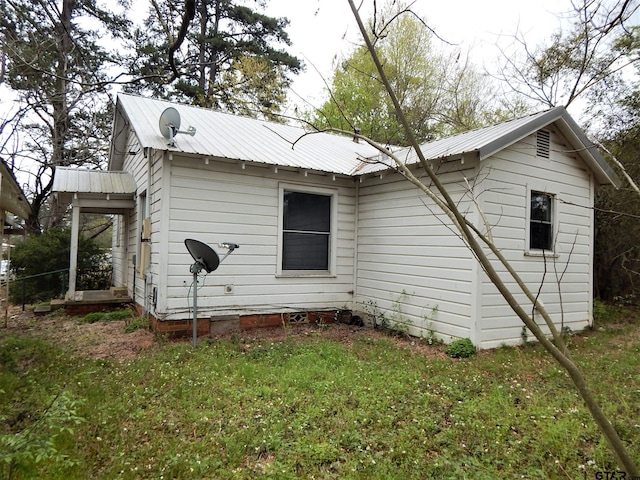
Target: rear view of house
x,y
324,223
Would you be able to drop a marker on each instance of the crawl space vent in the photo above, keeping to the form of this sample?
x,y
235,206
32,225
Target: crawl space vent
x,y
543,141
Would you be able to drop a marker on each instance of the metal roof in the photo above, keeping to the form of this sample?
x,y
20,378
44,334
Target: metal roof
x,y
224,135
485,142
77,180
95,191
12,197
230,136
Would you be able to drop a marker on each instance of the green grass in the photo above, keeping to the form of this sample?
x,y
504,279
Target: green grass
x,y
106,316
312,408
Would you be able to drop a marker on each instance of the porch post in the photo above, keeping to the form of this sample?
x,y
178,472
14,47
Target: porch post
x,y
73,256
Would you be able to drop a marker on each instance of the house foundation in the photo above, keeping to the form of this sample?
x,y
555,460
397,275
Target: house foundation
x,y
224,324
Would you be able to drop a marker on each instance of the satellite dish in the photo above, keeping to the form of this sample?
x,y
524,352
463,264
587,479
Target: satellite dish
x,y
170,125
203,254
205,258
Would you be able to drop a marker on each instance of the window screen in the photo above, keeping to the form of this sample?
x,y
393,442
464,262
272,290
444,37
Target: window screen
x,y
306,231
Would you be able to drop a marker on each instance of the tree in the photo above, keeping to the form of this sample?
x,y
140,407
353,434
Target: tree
x,y
440,90
590,64
226,56
49,252
482,246
574,61
617,252
54,61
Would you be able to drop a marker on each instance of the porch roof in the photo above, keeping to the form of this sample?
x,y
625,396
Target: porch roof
x,y
95,191
12,198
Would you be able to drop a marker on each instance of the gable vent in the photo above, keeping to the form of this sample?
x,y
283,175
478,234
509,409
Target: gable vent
x,y
543,142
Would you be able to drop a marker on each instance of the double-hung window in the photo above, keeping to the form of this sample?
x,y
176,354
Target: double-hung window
x,y
541,221
306,231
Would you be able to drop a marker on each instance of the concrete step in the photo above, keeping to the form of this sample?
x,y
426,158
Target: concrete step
x,y
42,310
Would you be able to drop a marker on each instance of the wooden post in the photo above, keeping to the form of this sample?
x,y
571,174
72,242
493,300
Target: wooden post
x,y
73,255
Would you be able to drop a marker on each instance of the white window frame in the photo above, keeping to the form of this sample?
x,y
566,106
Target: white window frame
x,y
333,234
555,215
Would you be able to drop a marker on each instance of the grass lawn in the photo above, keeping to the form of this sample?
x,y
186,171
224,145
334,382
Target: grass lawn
x,y
331,402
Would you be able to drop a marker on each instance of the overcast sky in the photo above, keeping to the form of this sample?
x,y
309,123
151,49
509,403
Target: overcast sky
x,y
323,30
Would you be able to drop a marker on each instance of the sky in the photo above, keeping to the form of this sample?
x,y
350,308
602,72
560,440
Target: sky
x,y
323,31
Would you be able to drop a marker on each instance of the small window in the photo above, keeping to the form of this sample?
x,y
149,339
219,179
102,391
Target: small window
x,y
306,231
541,221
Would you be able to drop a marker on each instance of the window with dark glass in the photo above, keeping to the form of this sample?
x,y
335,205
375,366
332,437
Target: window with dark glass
x,y
541,221
306,231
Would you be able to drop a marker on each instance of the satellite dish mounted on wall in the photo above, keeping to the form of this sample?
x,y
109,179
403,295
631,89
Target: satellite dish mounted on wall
x,y
170,125
205,258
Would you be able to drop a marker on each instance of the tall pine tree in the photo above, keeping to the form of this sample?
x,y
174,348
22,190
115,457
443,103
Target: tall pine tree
x,y
226,55
55,63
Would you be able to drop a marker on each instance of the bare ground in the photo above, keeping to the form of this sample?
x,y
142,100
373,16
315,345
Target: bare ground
x,y
102,339
108,340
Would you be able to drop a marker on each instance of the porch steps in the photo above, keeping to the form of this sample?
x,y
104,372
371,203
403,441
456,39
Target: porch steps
x,y
54,305
42,310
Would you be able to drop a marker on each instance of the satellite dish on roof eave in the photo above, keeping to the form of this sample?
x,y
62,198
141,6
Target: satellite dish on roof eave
x,y
170,125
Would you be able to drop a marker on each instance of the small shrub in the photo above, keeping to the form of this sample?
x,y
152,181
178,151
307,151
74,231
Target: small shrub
x,y
461,348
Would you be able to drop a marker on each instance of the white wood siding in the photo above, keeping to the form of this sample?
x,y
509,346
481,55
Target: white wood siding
x,y
411,265
137,165
504,197
222,202
394,250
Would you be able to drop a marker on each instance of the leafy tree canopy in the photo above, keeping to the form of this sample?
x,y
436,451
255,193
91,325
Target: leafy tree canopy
x,y
440,90
230,57
56,63
596,44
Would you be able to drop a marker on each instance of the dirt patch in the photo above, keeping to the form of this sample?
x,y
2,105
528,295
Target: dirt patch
x,y
108,340
101,340
335,332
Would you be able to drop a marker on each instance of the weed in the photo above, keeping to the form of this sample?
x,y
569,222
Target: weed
x,y
461,348
376,315
431,338
396,324
94,317
40,441
140,323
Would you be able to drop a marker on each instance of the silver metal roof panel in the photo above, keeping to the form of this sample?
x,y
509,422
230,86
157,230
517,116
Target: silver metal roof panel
x,y
235,137
485,142
77,180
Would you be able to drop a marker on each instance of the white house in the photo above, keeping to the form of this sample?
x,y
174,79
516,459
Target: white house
x,y
323,223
